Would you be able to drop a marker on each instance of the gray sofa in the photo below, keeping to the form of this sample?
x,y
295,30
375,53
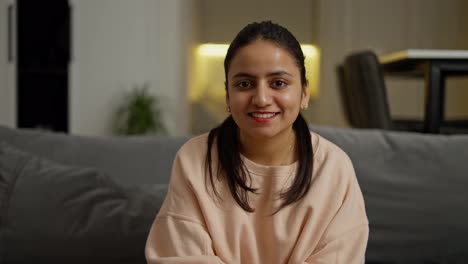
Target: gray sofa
x,y
72,199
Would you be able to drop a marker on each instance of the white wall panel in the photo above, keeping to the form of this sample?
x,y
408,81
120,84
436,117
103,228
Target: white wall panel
x,y
7,65
118,44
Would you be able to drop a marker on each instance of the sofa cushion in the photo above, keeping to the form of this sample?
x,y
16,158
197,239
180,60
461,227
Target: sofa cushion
x,y
54,213
415,190
128,160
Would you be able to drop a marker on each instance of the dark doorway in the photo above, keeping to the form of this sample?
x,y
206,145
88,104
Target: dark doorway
x,y
43,39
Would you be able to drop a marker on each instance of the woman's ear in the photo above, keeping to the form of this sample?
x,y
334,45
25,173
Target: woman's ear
x,y
305,95
226,90
228,108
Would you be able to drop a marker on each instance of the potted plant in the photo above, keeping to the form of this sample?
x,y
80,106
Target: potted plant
x,y
139,113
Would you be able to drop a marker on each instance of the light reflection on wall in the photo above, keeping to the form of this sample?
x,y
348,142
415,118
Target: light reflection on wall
x,y
207,95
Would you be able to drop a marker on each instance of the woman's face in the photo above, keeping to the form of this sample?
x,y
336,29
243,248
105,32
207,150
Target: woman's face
x,y
264,93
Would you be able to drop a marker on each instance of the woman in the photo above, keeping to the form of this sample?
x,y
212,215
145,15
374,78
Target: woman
x,y
261,188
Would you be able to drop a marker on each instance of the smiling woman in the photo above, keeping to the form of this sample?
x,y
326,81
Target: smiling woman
x,y
265,91
260,187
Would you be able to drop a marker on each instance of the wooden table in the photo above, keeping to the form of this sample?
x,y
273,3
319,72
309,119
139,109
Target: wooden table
x,y
434,66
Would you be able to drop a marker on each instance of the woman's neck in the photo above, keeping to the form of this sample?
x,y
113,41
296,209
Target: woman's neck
x,y
276,151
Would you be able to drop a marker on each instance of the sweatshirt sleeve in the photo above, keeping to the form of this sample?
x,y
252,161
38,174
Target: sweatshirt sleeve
x,y
349,248
179,234
176,240
345,239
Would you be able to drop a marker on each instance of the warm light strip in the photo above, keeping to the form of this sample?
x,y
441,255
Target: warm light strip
x,y
220,50
213,50
309,50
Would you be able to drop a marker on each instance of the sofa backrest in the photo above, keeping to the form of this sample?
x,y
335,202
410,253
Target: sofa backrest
x,y
414,185
136,160
416,191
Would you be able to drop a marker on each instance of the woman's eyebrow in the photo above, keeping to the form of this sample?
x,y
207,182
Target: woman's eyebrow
x,y
279,73
276,73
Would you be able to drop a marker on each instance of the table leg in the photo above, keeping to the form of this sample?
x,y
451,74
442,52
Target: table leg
x,y
434,100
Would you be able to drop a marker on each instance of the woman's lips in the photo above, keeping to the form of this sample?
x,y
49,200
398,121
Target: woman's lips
x,y
263,117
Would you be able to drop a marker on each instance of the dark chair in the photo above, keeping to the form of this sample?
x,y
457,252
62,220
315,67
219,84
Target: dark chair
x,y
364,94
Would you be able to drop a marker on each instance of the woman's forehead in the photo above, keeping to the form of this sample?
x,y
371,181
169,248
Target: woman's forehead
x,y
262,57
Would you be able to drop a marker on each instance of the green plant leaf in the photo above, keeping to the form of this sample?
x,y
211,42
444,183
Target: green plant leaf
x,y
138,114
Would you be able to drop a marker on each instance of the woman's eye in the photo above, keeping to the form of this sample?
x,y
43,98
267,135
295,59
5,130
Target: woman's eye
x,y
279,83
244,84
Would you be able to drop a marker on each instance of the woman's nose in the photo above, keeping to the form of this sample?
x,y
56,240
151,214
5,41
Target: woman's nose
x,y
261,97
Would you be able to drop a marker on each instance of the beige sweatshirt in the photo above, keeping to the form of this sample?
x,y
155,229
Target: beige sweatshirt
x,y
329,225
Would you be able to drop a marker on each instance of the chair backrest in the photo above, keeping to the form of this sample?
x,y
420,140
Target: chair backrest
x,y
364,91
346,97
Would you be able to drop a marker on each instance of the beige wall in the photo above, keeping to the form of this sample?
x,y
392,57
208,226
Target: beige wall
x,y
464,21
220,20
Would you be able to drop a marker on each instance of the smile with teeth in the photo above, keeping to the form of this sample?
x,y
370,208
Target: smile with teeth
x,y
263,115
